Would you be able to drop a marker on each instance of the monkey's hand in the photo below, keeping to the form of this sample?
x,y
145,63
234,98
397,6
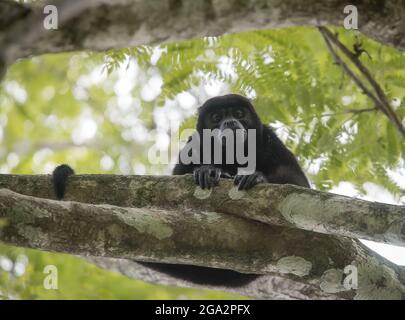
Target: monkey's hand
x,y
245,182
207,176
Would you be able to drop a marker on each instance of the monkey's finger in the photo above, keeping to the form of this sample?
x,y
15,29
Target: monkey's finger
x,y
207,179
251,181
236,180
201,179
204,179
196,177
242,184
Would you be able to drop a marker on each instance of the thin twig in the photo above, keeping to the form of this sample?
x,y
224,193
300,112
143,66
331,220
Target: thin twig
x,y
380,93
346,68
379,97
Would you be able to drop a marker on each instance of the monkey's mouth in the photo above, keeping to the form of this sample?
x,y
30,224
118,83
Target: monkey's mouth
x,y
236,134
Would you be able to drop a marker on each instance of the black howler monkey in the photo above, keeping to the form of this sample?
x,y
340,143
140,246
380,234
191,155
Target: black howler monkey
x,y
274,164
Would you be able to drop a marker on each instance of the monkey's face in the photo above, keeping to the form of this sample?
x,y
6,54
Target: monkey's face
x,y
229,120
228,115
226,118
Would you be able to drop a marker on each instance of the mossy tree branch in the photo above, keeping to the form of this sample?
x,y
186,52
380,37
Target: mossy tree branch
x,y
166,219
282,205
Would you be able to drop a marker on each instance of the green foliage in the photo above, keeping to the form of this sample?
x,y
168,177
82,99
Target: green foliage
x,y
90,110
80,280
296,83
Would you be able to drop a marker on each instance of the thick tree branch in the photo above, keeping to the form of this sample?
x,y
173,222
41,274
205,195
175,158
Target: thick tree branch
x,y
202,238
167,219
102,24
282,205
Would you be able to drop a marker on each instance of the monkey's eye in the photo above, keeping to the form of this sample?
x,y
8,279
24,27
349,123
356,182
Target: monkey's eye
x,y
216,117
238,113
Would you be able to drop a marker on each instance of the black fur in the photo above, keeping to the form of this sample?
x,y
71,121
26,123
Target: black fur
x,y
60,176
274,164
202,275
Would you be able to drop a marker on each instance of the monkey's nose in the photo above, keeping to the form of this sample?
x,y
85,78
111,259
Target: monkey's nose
x,y
231,124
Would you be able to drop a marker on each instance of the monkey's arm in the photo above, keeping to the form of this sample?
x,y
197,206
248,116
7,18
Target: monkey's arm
x,y
288,175
278,164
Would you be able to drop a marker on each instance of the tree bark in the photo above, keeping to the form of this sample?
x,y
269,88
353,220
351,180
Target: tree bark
x,y
283,205
167,219
102,24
